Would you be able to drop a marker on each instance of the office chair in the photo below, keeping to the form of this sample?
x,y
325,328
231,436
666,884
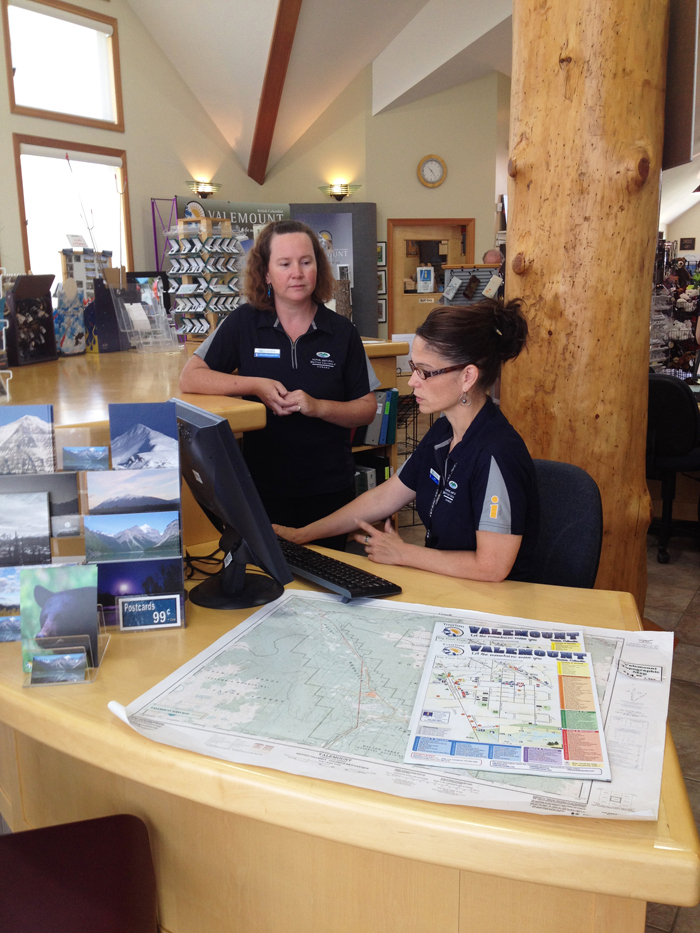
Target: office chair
x,y
673,446
92,875
571,525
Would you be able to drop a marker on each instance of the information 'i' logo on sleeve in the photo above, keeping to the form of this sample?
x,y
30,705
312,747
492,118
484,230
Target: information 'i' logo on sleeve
x,y
493,511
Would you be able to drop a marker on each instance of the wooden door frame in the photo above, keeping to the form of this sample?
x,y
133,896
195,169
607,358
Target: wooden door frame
x,y
468,222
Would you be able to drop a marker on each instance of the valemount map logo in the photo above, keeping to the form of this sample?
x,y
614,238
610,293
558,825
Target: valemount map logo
x,y
453,632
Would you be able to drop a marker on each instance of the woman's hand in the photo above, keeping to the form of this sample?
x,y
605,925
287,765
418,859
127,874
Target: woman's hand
x,y
289,534
383,547
298,400
273,395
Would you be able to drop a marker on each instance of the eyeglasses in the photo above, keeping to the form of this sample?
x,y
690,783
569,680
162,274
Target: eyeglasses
x,y
426,374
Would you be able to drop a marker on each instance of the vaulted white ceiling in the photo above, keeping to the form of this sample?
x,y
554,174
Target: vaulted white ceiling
x,y
417,48
334,41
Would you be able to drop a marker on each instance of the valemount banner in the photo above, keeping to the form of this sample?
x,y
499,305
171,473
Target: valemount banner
x,y
249,217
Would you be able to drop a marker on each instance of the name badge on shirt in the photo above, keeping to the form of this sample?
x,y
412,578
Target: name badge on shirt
x,y
267,352
435,476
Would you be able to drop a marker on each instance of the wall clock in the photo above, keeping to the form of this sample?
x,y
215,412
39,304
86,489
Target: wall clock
x,y
432,171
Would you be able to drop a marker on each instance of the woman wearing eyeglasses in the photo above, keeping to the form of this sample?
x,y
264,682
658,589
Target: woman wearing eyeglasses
x,y
471,476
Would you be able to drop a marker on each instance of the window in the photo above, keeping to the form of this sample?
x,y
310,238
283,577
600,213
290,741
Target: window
x,y
84,194
63,63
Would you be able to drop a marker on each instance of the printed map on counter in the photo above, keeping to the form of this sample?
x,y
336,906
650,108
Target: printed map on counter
x,y
315,687
528,709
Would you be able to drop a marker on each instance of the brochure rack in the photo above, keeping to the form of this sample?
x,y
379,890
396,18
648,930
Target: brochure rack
x,y
142,317
206,261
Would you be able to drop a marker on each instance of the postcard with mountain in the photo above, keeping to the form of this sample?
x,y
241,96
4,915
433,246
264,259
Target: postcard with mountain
x,y
27,439
25,529
144,436
111,492
135,536
86,458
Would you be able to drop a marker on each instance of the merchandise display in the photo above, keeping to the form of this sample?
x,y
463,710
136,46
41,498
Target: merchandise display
x,y
69,320
30,336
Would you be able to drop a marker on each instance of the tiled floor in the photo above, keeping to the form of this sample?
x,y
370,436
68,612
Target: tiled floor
x,y
673,602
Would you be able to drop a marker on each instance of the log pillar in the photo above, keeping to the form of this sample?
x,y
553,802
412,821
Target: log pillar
x,y
585,164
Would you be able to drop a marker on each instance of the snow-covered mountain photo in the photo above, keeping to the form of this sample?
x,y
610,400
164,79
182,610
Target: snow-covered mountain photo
x,y
144,436
27,439
135,536
111,492
142,448
86,458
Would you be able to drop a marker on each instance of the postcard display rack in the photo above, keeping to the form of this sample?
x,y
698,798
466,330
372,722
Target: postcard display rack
x,y
83,547
206,260
85,265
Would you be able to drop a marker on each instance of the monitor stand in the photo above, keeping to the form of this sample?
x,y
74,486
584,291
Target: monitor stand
x,y
233,587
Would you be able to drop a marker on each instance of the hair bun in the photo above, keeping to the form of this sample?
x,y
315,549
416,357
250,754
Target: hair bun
x,y
511,329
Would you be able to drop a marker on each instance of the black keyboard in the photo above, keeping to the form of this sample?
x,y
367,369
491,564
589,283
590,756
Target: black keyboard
x,y
335,575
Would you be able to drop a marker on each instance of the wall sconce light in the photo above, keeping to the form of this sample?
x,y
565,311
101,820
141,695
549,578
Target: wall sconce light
x,y
203,188
339,190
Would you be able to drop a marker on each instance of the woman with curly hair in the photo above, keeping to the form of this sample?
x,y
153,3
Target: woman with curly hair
x,y
471,476
305,363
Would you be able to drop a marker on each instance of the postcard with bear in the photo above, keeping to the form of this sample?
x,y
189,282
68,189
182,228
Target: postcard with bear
x,y
58,603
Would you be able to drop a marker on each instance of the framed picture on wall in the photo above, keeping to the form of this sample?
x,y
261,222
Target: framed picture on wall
x,y
381,252
381,281
381,311
411,247
687,243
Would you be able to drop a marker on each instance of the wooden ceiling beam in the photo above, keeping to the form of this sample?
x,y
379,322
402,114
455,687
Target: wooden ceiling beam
x,y
273,85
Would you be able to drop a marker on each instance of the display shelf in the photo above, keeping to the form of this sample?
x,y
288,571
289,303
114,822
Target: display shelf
x,y
205,259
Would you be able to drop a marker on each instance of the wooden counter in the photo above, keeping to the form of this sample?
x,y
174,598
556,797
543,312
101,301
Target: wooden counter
x,y
241,848
382,355
81,388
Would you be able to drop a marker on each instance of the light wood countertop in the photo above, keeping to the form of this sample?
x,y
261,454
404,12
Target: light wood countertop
x,y
642,860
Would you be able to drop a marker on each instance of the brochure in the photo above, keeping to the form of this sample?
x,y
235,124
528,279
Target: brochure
x,y
522,708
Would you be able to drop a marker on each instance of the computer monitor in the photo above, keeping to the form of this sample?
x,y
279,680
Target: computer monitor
x,y
213,467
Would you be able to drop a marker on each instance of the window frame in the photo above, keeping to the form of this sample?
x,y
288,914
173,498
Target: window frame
x,y
19,138
113,45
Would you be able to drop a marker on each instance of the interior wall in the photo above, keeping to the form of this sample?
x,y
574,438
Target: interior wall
x,y
460,126
687,225
168,139
466,125
502,137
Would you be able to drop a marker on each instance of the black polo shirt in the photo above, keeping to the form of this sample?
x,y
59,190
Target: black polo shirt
x,y
294,455
487,483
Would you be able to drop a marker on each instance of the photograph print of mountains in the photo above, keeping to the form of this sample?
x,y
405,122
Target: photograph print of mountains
x,y
135,536
27,439
25,529
144,436
111,492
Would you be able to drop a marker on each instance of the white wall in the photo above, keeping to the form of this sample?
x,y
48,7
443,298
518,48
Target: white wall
x,y
686,225
168,139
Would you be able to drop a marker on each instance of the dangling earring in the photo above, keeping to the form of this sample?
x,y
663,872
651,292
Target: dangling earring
x,y
269,290
465,399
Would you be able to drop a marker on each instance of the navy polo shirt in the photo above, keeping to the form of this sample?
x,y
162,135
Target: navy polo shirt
x,y
487,483
294,455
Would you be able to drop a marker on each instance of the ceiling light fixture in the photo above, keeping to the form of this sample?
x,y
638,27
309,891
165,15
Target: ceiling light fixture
x,y
339,190
204,188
